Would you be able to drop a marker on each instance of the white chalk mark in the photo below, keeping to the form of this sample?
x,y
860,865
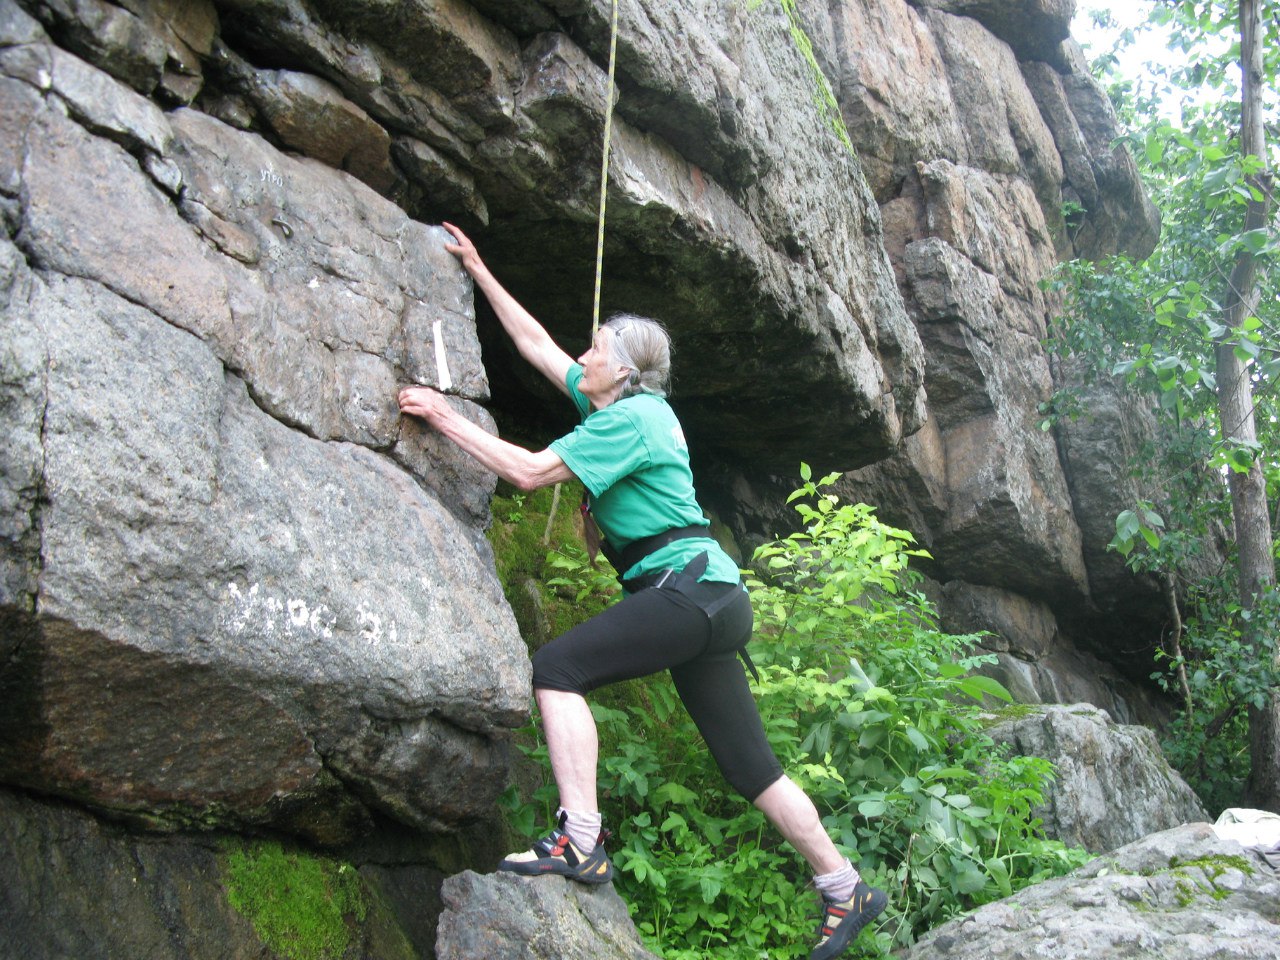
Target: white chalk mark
x,y
443,380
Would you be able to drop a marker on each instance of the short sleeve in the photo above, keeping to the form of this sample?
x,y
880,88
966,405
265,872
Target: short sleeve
x,y
603,449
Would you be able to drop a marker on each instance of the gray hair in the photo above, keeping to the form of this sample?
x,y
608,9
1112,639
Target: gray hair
x,y
643,346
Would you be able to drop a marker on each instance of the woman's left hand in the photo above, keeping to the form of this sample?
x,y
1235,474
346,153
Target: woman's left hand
x,y
424,402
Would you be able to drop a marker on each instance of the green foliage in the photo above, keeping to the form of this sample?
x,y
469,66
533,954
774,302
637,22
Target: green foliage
x,y
1159,324
872,710
1228,670
301,905
577,577
1142,521
541,584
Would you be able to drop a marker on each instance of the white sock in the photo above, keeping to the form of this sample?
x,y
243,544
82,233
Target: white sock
x,y
837,885
583,829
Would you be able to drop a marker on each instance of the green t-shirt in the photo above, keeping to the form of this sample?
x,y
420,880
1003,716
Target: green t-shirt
x,y
632,458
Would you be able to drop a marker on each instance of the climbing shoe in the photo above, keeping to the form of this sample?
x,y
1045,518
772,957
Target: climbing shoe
x,y
554,853
842,920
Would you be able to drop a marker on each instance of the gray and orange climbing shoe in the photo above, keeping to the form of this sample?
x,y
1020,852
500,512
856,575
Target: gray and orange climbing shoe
x,y
842,920
555,853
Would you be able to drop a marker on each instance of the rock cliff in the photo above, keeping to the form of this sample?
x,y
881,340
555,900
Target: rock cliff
x,y
1182,894
237,592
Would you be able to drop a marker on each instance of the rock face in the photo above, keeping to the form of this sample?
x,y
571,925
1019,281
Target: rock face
x,y
977,125
1113,785
71,886
501,915
238,592
1181,894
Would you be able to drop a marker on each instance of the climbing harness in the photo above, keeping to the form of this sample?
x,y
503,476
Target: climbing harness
x,y
626,558
717,612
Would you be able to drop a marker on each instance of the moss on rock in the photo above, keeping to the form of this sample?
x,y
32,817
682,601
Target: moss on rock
x,y
302,906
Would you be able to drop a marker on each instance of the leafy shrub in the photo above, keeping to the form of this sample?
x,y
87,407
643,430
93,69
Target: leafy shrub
x,y
872,710
545,602
1226,672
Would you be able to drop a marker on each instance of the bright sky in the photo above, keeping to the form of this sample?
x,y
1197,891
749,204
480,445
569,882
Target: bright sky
x,y
1150,43
1127,16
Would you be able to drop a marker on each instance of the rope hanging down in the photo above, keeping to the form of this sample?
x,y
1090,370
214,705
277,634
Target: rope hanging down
x,y
604,185
604,168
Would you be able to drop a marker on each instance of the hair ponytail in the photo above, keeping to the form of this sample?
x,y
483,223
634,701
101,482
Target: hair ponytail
x,y
644,346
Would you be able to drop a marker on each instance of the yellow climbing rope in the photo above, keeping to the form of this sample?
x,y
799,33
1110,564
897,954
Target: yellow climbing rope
x,y
604,185
604,167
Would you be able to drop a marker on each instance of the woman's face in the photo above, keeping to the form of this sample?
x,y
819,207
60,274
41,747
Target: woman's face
x,y
599,372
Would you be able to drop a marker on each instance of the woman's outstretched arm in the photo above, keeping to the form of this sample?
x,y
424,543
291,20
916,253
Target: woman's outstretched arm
x,y
529,336
525,469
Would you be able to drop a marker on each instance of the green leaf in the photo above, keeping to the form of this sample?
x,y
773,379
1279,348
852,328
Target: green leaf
x,y
673,822
1240,459
1154,149
872,808
918,739
1255,241
968,880
1219,177
926,875
1122,545
710,887
1000,873
673,793
1127,525
1245,351
976,686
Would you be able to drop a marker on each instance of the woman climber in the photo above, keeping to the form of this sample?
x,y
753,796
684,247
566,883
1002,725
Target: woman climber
x,y
685,609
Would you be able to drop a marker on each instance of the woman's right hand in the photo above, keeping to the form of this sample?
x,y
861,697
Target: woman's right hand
x,y
424,402
529,336
463,248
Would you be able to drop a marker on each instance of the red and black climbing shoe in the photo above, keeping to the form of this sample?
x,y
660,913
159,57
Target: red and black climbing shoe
x,y
555,853
842,920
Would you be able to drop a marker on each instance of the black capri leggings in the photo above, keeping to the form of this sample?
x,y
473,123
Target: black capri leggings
x,y
659,628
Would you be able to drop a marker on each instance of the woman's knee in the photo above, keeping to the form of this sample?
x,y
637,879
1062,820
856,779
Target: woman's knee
x,y
753,780
552,671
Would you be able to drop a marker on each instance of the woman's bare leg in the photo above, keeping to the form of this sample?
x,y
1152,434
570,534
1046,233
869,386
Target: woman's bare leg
x,y
793,813
573,746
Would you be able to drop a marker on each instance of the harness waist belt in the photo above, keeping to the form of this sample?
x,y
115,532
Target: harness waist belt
x,y
626,558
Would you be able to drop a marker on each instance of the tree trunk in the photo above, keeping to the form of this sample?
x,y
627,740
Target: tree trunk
x,y
1235,406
